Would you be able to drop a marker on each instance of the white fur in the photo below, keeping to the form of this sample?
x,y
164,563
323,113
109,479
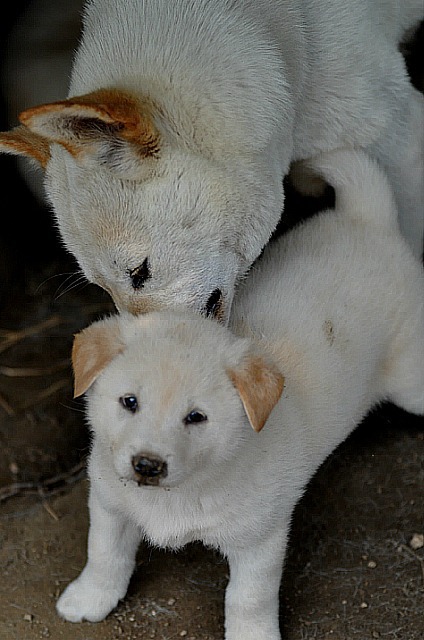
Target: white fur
x,y
239,91
338,305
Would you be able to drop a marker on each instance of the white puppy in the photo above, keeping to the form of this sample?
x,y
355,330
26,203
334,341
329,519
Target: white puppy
x,y
337,308
165,165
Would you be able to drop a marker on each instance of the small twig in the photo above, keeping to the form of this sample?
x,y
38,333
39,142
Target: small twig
x,y
412,553
29,372
16,606
6,406
46,393
50,510
49,487
11,337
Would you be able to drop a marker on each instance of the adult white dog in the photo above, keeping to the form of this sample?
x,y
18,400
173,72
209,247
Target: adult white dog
x,y
165,165
337,308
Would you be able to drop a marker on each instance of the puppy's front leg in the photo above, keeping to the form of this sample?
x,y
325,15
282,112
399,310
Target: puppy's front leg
x,y
112,547
252,596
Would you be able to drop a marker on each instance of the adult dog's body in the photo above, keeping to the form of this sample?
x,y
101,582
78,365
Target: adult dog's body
x,y
165,166
337,308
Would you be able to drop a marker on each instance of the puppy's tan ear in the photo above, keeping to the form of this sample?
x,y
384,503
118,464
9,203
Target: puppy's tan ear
x,y
93,349
21,141
109,127
260,385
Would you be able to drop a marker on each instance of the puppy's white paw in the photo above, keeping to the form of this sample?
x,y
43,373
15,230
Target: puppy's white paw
x,y
236,629
83,600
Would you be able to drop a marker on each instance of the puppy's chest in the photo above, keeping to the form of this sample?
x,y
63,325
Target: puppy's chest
x,y
170,518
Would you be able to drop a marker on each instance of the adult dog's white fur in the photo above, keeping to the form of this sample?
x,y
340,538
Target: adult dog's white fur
x,y
336,307
165,166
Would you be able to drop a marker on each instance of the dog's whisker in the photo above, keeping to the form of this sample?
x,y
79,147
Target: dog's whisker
x,y
73,408
80,283
56,275
65,282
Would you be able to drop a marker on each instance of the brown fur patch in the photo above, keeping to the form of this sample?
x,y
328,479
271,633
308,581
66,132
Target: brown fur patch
x,y
92,351
106,113
23,142
260,386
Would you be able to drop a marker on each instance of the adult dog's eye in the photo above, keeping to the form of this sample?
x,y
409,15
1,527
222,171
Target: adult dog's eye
x,y
129,402
195,416
140,274
213,307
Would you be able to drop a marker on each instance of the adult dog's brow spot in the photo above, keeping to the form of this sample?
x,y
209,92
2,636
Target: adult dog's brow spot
x,y
329,331
140,274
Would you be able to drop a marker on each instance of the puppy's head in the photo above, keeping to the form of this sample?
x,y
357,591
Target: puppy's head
x,y
170,395
150,215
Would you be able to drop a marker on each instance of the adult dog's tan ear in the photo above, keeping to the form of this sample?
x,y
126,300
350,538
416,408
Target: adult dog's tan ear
x,y
93,349
21,141
260,385
110,127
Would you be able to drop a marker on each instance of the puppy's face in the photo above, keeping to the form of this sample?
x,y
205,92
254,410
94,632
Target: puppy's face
x,y
171,395
168,421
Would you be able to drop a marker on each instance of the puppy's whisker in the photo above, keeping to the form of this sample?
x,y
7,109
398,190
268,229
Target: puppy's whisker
x,y
73,408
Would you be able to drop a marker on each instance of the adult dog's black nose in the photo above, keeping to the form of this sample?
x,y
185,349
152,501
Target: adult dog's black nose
x,y
149,469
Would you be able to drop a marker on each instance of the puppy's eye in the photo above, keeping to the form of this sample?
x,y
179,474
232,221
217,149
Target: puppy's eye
x,y
129,402
140,274
195,416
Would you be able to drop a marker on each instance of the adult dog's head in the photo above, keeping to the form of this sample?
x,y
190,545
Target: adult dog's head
x,y
150,217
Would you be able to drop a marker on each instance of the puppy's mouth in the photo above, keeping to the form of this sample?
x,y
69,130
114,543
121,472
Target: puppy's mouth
x,y
147,482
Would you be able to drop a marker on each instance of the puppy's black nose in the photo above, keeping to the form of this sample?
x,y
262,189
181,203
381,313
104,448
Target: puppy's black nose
x,y
149,469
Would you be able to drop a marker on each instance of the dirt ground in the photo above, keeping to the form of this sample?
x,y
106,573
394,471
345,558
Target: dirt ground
x,y
355,569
